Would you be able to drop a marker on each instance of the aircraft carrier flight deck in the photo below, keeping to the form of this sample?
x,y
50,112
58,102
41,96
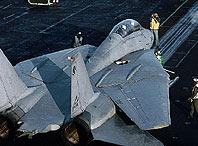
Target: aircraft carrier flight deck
x,y
29,31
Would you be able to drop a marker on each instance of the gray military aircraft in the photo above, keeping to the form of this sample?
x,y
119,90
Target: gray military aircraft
x,y
78,91
43,2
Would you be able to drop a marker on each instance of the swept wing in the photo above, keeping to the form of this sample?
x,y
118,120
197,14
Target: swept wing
x,y
139,86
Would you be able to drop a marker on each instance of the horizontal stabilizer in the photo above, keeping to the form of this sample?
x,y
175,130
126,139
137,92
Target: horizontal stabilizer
x,y
117,132
11,86
44,116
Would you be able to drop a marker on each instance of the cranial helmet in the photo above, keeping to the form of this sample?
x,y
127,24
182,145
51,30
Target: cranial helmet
x,y
195,79
157,52
123,27
155,14
132,23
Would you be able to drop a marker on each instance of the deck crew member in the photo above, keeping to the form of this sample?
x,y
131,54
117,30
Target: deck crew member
x,y
77,40
194,98
154,26
159,57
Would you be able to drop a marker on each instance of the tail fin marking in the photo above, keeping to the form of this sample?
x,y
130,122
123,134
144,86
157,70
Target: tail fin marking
x,y
82,93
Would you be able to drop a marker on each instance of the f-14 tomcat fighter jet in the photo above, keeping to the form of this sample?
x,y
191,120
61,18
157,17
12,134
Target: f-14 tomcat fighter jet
x,y
78,91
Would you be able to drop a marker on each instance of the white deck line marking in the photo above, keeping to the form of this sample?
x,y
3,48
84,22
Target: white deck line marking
x,y
28,8
177,26
176,44
176,41
191,40
23,31
174,12
25,13
14,18
186,54
8,16
43,31
7,6
179,33
180,53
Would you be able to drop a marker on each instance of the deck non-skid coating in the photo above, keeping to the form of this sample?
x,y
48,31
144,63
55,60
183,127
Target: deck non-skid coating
x,y
21,38
28,31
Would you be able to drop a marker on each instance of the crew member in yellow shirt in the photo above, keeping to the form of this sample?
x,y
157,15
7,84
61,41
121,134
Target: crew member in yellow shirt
x,y
154,26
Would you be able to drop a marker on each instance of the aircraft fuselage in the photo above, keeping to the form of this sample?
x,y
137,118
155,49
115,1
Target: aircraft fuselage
x,y
120,43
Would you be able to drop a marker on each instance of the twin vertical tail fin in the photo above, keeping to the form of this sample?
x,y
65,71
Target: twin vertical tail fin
x,y
11,86
82,93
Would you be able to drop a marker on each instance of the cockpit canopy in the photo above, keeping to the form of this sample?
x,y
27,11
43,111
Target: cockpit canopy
x,y
126,27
